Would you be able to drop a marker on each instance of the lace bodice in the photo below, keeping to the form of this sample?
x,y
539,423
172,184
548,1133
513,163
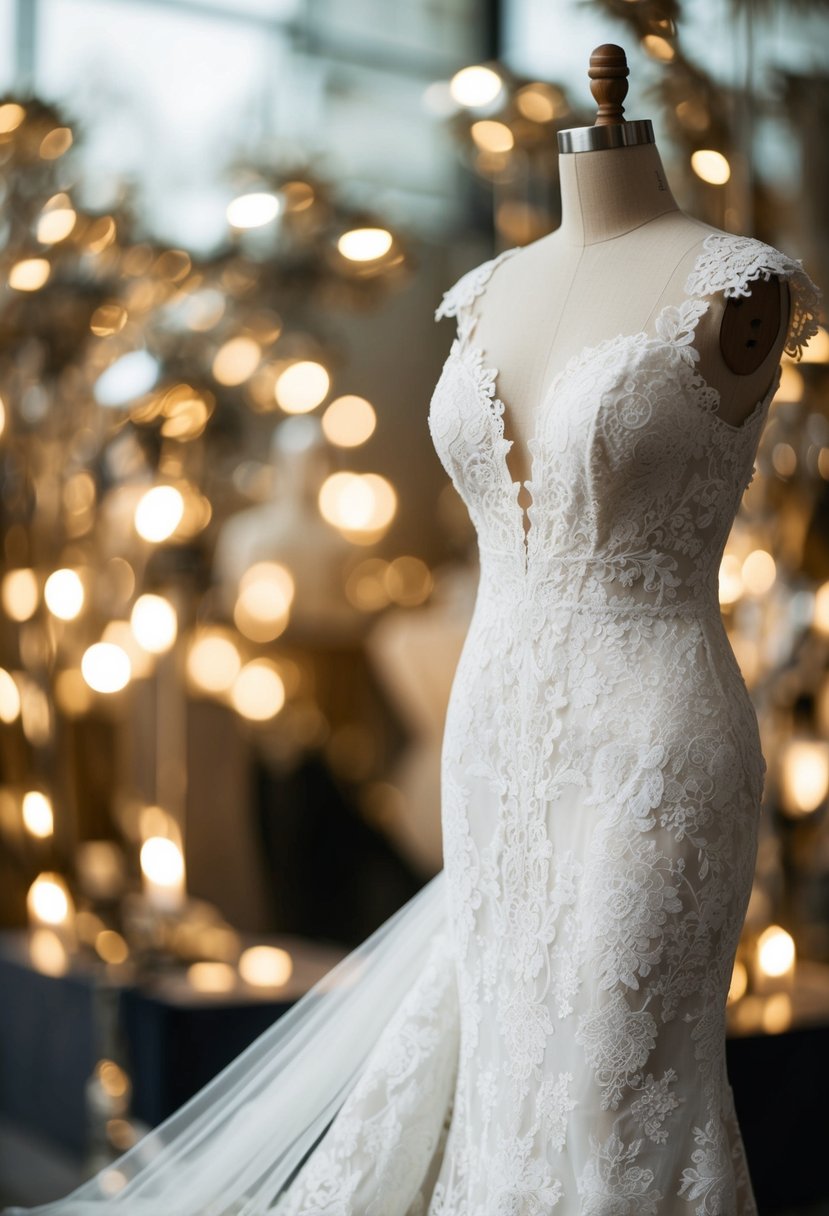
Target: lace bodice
x,y
635,478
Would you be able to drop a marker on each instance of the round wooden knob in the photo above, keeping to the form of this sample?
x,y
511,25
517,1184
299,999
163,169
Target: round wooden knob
x,y
608,74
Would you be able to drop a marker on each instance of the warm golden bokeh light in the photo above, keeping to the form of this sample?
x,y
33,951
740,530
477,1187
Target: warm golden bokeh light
x,y
48,900
266,592
301,387
19,594
48,953
159,513
775,951
56,143
408,581
364,244
357,503
64,594
38,816
816,349
11,116
538,102
162,864
112,947
475,86
804,777
106,667
710,166
57,220
154,623
236,361
349,421
265,966
9,697
253,210
658,48
258,692
29,274
492,136
213,663
211,977
730,579
758,572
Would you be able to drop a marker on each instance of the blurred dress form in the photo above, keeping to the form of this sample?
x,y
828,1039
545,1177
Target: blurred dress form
x,y
542,1028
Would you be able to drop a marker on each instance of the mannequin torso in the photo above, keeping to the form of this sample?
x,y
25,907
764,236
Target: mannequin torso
x,y
623,251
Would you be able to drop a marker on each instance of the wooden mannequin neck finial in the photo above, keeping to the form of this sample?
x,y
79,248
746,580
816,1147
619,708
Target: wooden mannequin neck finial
x,y
608,74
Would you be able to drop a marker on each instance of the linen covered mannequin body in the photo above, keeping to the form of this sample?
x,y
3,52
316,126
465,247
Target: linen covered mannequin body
x,y
622,252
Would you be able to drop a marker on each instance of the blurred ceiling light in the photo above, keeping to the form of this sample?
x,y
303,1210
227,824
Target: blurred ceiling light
x,y
475,86
159,513
120,634
349,421
758,572
710,166
48,900
258,692
236,361
29,274
106,667
9,697
265,966
364,244
11,116
186,413
302,386
127,378
658,48
56,143
213,663
19,594
492,136
64,594
108,319
38,817
253,210
162,864
154,623
730,579
816,349
57,220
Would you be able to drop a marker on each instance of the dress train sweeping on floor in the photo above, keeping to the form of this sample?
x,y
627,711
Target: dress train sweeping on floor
x,y
542,1028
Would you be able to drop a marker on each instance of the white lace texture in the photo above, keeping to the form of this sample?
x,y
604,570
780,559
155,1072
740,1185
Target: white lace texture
x,y
601,782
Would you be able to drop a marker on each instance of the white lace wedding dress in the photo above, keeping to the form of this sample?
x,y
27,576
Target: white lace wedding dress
x,y
541,1030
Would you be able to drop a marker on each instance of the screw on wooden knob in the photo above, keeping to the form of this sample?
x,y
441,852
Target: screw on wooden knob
x,y
608,74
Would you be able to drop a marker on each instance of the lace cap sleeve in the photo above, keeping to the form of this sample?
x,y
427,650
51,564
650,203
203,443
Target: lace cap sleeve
x,y
729,263
469,286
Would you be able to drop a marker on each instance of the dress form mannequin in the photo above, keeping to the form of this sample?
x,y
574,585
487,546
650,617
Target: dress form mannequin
x,y
622,252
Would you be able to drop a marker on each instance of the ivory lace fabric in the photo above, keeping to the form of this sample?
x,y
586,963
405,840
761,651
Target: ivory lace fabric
x,y
542,1029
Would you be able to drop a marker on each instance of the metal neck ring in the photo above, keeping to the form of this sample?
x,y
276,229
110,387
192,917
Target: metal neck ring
x,y
612,135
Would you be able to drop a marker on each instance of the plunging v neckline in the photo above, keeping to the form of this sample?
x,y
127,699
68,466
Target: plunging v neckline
x,y
496,408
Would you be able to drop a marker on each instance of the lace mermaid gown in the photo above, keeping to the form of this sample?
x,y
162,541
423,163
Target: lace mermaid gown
x,y
542,1028
564,1048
